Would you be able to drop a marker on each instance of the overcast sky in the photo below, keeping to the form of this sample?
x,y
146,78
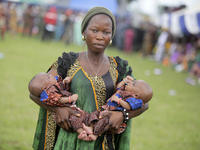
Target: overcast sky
x,y
150,6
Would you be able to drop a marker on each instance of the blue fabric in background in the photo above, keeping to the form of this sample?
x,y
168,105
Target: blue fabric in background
x,y
182,24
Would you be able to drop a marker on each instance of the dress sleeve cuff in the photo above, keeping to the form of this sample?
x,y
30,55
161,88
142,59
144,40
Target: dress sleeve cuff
x,y
43,96
134,103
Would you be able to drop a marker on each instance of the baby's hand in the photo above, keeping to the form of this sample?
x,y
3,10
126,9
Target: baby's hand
x,y
67,79
129,79
114,98
93,137
74,97
83,136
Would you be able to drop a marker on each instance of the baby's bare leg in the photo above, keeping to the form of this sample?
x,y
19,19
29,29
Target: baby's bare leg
x,y
93,137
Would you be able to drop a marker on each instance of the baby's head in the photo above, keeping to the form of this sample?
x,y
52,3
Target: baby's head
x,y
140,89
39,82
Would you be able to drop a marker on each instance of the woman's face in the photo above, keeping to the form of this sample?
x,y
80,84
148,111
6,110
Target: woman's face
x,y
98,33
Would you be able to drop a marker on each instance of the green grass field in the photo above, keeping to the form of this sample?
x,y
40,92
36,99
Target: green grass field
x,y
171,123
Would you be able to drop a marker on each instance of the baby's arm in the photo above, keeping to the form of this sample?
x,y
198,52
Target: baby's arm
x,y
120,84
121,102
69,99
66,82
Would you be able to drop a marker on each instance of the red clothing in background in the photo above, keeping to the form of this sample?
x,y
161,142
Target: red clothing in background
x,y
51,16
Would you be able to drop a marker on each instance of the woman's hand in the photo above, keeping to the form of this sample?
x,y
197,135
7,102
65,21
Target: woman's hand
x,y
63,114
116,119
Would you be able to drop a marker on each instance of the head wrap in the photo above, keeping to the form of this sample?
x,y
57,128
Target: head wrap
x,y
98,10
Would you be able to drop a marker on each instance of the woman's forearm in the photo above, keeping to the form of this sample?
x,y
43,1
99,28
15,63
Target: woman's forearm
x,y
37,101
138,112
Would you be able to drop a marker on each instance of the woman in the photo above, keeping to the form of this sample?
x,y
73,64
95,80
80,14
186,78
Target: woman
x,y
2,22
94,77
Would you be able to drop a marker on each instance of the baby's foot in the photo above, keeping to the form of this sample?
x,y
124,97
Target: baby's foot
x,y
74,97
89,130
93,137
82,135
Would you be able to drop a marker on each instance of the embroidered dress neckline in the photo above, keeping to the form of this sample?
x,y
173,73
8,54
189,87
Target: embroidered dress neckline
x,y
93,76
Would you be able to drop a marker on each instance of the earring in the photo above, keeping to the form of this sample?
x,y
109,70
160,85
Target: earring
x,y
83,37
110,42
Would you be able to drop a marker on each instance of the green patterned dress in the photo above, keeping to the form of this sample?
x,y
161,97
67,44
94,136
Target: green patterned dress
x,y
92,94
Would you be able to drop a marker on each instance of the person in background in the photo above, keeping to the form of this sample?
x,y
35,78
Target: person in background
x,y
129,36
2,22
13,19
195,67
60,26
50,20
69,21
28,21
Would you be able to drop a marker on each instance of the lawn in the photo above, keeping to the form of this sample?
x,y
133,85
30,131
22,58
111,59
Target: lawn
x,y
171,123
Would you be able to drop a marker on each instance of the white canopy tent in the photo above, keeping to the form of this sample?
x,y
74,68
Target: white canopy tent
x,y
185,21
191,19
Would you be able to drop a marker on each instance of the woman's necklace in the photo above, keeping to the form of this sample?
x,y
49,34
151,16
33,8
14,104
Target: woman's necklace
x,y
96,73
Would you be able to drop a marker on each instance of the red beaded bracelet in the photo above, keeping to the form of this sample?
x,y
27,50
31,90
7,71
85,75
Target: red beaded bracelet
x,y
119,100
69,99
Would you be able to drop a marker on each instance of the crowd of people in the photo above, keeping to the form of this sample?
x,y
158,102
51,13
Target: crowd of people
x,y
19,18
51,23
64,25
182,53
48,23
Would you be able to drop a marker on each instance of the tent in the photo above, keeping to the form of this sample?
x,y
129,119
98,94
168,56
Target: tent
x,y
61,4
192,19
175,27
85,5
185,21
40,2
